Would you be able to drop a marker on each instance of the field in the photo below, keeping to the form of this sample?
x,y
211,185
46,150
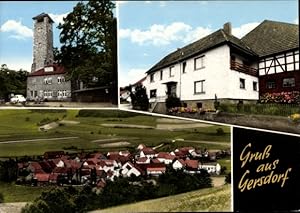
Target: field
x,y
20,134
215,199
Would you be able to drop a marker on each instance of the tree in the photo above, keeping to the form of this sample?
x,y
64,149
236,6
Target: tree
x,y
54,200
139,98
8,170
88,44
12,81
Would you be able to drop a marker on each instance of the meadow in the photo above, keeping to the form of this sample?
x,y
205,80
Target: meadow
x,y
20,134
203,200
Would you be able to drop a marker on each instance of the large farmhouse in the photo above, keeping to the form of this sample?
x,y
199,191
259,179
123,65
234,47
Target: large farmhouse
x,y
228,68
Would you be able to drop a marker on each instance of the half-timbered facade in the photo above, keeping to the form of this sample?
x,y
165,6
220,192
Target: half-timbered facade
x,y
277,45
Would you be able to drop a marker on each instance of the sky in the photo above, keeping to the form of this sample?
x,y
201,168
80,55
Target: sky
x,y
150,30
147,30
16,29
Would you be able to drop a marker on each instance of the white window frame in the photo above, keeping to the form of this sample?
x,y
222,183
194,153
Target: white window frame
x,y
152,77
255,86
198,60
171,71
201,82
242,83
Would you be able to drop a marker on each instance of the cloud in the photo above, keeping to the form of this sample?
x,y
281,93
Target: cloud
x,y
132,76
17,63
18,30
296,21
58,18
244,29
148,2
162,3
157,34
196,34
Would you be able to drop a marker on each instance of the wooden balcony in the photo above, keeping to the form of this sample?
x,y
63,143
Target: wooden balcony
x,y
243,68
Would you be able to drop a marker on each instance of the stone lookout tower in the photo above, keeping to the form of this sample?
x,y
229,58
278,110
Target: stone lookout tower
x,y
42,42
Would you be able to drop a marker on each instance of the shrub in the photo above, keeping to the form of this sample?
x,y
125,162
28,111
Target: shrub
x,y
139,98
228,178
220,131
27,119
172,101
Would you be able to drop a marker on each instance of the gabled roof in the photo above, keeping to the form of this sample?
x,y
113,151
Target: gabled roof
x,y
42,177
213,40
41,72
148,151
41,16
193,164
140,81
272,37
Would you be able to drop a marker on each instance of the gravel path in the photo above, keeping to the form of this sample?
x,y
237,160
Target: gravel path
x,y
11,207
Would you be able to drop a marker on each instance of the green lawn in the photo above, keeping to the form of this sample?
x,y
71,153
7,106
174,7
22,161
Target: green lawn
x,y
212,199
17,193
22,125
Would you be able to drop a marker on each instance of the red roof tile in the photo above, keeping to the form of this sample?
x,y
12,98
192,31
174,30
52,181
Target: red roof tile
x,y
42,177
57,70
193,164
155,161
165,155
148,151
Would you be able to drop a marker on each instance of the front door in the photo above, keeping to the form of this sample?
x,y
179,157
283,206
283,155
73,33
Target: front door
x,y
171,89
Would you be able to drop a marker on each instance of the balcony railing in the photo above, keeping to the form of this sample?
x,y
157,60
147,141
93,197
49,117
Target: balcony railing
x,y
243,68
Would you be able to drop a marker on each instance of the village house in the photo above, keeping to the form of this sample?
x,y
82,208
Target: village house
x,y
128,169
223,67
60,168
211,167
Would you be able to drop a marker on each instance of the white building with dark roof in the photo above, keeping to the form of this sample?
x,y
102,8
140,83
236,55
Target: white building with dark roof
x,y
225,67
200,71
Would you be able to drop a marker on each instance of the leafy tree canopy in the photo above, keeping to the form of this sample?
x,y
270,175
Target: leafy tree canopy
x,y
87,37
12,81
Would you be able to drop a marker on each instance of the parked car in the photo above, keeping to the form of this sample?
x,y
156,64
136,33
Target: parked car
x,y
17,99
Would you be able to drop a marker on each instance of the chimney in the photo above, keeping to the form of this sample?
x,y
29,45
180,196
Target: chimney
x,y
227,28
